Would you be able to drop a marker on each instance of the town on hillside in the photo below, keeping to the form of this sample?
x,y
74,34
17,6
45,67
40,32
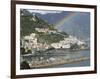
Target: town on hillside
x,y
30,42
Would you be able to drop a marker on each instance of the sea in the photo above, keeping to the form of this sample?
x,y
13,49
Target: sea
x,y
74,54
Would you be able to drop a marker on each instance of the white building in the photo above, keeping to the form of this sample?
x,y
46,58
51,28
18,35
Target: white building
x,y
80,42
45,30
52,31
33,18
66,43
66,46
56,45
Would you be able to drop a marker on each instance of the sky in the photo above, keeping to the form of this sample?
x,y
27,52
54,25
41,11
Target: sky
x,y
43,12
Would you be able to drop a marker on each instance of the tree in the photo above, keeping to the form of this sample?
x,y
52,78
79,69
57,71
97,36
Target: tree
x,y
22,50
74,46
24,65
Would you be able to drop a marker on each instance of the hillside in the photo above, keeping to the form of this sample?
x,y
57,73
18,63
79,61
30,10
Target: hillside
x,y
29,22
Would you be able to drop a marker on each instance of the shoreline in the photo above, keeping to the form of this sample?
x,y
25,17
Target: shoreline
x,y
59,62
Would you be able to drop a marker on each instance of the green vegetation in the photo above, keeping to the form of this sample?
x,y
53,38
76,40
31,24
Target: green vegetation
x,y
23,51
30,22
75,46
24,65
64,34
28,25
49,38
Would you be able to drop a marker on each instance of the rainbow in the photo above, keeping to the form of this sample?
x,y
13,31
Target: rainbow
x,y
65,19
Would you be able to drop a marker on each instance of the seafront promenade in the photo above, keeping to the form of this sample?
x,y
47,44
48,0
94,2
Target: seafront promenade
x,y
59,61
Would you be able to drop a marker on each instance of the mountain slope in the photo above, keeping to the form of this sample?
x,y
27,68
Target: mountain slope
x,y
29,22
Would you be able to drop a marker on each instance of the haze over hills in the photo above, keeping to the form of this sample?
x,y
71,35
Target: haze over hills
x,y
78,25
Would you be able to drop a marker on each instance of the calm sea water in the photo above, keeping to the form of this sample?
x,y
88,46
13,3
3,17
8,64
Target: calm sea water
x,y
77,64
85,53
